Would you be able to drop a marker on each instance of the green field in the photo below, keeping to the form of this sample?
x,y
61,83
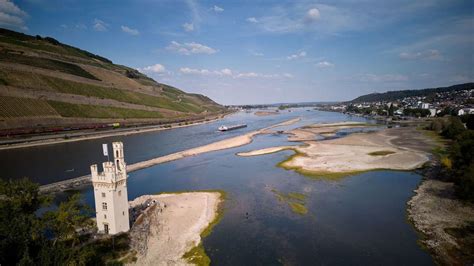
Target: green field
x,y
13,107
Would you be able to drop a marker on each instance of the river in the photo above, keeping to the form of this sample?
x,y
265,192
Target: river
x,y
359,219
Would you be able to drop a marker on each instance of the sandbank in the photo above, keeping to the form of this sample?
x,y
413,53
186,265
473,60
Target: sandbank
x,y
266,113
353,153
162,235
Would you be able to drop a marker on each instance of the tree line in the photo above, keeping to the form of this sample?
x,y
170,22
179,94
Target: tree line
x,y
458,164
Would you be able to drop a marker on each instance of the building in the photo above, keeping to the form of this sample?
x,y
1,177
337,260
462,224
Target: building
x,y
110,193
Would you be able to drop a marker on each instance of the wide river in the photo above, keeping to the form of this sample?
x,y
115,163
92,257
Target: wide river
x,y
359,219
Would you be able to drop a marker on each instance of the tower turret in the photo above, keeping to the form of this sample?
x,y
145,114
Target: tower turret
x,y
110,193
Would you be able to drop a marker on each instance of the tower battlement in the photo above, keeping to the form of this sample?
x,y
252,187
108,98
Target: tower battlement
x,y
110,192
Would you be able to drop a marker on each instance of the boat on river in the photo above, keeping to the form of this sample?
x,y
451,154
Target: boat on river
x,y
227,128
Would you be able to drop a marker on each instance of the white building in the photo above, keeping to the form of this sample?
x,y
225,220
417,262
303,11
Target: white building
x,y
110,193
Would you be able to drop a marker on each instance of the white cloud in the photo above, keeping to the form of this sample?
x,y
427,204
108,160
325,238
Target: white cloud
x,y
296,56
226,72
324,64
382,78
188,27
430,54
9,7
312,15
190,48
99,25
206,72
11,15
303,17
257,54
217,9
252,20
130,30
155,69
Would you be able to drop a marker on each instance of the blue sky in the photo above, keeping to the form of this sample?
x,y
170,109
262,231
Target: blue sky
x,y
241,52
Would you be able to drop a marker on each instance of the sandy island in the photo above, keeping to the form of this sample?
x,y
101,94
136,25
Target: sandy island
x,y
169,229
266,113
354,153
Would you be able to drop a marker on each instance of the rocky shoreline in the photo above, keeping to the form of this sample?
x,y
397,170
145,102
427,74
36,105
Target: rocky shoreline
x,y
445,223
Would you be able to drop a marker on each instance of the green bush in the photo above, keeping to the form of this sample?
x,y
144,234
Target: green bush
x,y
453,128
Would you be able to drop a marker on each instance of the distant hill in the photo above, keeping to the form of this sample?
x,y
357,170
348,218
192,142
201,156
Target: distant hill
x,y
45,83
398,95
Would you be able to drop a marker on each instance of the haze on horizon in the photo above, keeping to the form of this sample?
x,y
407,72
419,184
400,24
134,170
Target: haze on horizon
x,y
244,52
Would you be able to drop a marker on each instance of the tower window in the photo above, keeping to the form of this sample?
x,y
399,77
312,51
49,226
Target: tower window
x,y
104,206
105,216
117,153
103,194
120,193
123,213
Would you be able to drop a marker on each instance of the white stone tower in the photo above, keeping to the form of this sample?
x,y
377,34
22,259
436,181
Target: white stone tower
x,y
110,193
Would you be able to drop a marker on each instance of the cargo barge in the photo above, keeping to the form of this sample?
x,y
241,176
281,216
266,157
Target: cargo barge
x,y
227,128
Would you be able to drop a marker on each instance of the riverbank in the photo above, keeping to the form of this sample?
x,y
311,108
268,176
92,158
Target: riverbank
x,y
83,135
445,222
171,228
215,146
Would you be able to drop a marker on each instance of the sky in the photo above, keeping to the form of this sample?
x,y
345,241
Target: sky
x,y
255,52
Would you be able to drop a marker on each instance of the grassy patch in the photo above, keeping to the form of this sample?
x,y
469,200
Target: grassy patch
x,y
381,153
95,111
298,208
295,200
197,256
297,196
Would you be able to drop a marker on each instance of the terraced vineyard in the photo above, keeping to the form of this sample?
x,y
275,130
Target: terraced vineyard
x,y
13,107
42,77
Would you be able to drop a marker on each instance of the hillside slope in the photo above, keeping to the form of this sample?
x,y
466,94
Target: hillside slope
x,y
44,84
398,95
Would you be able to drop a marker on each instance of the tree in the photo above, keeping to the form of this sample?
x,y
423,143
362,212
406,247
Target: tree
x,y
20,229
50,238
453,128
391,110
462,154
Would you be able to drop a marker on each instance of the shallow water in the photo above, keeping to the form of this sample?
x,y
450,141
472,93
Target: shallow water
x,y
358,220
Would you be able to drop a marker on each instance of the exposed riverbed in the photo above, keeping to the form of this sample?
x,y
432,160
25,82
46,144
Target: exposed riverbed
x,y
360,219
